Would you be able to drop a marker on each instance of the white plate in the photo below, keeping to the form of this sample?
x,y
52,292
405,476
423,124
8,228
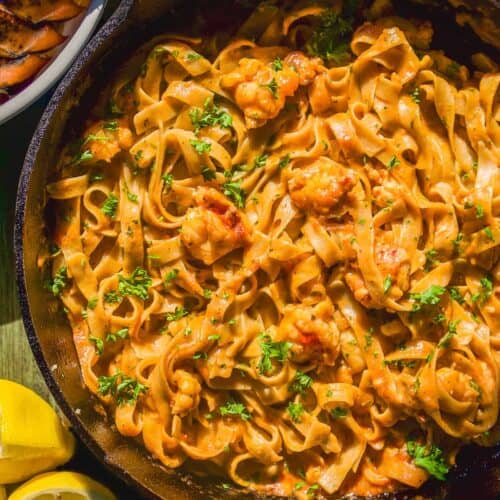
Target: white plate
x,y
82,28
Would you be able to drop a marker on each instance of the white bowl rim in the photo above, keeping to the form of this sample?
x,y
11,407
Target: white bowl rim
x,y
57,67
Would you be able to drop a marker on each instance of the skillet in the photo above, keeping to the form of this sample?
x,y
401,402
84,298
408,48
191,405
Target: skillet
x,y
132,24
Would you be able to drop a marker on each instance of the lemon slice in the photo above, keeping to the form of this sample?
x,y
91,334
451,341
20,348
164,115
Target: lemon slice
x,y
62,486
32,438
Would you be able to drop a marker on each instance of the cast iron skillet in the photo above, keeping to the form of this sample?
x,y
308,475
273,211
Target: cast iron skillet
x,y
133,23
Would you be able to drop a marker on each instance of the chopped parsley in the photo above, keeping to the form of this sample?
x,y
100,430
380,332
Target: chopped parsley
x,y
271,350
455,295
124,389
284,162
179,313
439,319
475,386
312,490
393,162
456,242
272,86
234,409
97,176
169,277
167,179
452,331
400,363
112,297
299,485
200,355
92,303
131,196
83,156
295,410
387,283
479,212
122,334
489,233
59,281
415,95
338,412
114,109
207,293
430,259
431,296
137,284
260,161
234,192
277,64
192,56
331,38
214,338
211,116
98,344
486,290
111,125
431,459
208,173
452,70
201,147
301,382
110,205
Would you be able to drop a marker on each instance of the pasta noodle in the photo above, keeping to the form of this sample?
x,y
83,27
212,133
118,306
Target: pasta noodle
x,y
286,266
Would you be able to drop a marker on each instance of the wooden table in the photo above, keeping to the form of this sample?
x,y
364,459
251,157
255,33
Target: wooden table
x,y
16,360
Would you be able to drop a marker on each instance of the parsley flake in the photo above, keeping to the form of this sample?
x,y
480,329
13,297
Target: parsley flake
x,y
124,389
431,459
234,409
271,350
137,284
295,410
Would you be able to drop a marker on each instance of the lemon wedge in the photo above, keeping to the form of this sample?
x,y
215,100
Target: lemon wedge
x,y
32,438
62,486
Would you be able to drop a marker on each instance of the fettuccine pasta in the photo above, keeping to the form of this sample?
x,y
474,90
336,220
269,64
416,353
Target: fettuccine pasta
x,y
279,258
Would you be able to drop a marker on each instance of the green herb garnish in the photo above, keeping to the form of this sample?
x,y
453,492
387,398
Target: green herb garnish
x,y
271,350
59,281
234,409
208,173
201,147
137,284
179,313
277,64
98,344
124,389
431,296
295,410
393,162
452,331
110,205
338,412
211,116
330,40
272,86
301,382
170,276
387,283
122,334
234,192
